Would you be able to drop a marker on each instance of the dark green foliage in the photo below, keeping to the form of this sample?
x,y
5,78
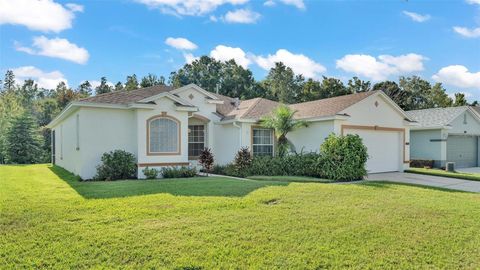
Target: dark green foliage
x,y
420,163
103,87
117,164
343,158
23,144
131,83
150,173
85,89
282,84
206,160
242,162
152,80
304,164
460,100
179,172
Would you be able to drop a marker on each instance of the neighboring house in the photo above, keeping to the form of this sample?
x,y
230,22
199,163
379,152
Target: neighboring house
x,y
446,135
163,126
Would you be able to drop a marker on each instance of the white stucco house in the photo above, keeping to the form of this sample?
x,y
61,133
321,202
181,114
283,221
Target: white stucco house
x,y
163,126
446,135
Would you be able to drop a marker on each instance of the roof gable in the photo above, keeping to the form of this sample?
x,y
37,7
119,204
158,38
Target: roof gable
x,y
438,117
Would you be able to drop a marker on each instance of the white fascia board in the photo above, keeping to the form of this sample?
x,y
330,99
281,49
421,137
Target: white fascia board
x,y
186,109
214,101
196,87
72,106
326,118
430,127
475,113
236,120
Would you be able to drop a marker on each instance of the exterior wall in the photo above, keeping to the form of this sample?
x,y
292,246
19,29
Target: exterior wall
x,y
309,139
104,130
66,154
376,112
164,107
471,127
429,144
227,143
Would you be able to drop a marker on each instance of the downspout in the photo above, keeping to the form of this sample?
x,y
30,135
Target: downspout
x,y
240,134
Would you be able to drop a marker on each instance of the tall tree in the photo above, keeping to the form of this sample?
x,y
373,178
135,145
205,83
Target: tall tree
x,y
152,80
28,92
64,95
311,90
418,92
103,87
281,120
131,83
394,91
118,86
236,81
282,84
460,100
204,72
10,107
85,89
9,81
355,85
22,140
438,97
332,87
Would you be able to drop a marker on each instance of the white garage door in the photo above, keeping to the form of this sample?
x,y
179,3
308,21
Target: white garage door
x,y
385,149
462,150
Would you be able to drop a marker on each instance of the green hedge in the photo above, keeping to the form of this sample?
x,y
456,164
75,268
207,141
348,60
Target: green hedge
x,y
341,158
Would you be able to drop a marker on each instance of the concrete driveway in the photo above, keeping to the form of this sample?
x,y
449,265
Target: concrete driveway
x,y
469,170
427,180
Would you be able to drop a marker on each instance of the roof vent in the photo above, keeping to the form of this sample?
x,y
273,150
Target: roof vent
x,y
236,102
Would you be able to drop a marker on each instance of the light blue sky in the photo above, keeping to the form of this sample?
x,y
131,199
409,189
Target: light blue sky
x,y
375,40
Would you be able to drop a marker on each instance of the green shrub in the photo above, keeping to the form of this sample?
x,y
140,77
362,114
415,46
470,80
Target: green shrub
x,y
420,163
117,164
179,172
150,173
242,162
343,158
206,160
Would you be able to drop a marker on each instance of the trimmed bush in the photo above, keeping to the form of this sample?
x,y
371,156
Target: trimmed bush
x,y
242,162
206,160
179,172
418,163
343,158
150,173
117,164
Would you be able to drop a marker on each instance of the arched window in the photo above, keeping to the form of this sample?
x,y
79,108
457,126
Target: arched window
x,y
163,135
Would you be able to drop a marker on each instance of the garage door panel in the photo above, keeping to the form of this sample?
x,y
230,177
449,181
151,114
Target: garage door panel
x,y
463,150
384,149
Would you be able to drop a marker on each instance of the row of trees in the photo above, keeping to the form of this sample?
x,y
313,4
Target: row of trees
x,y
25,109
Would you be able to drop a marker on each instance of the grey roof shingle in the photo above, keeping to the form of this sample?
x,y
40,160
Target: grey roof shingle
x,y
436,117
126,97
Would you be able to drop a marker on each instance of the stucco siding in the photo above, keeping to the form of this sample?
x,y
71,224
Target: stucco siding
x,y
310,138
465,124
104,130
428,144
227,143
66,154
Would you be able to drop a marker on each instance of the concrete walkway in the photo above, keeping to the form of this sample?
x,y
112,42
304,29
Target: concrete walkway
x,y
427,180
469,170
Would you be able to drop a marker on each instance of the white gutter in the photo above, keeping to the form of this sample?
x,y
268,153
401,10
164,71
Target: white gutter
x,y
240,134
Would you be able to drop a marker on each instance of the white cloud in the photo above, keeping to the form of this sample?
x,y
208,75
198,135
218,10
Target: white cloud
x,y
473,2
181,43
213,18
299,63
458,76
57,48
296,3
95,83
382,67
74,7
45,15
48,80
417,17
466,32
269,3
242,16
189,58
225,53
188,7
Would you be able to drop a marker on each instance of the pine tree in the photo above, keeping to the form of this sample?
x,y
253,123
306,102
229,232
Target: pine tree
x,y
103,87
9,82
132,83
22,140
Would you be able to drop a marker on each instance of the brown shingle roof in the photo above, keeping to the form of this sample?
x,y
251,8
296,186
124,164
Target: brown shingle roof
x,y
476,108
126,97
327,106
252,109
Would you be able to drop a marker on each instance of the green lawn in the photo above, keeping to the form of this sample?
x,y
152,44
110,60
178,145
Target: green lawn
x,y
47,220
443,173
301,179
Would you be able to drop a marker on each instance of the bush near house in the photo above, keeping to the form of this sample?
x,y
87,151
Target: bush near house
x,y
178,172
117,164
420,163
341,158
150,173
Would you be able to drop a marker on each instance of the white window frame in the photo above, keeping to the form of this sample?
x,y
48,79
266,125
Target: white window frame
x,y
204,139
178,146
257,144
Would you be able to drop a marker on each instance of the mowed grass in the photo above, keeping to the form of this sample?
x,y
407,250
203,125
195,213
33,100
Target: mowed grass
x,y
443,173
283,178
47,220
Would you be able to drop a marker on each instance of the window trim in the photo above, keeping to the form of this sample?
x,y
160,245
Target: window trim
x,y
204,140
179,130
273,139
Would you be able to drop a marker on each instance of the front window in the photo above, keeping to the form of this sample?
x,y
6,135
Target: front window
x,y
262,144
163,136
196,140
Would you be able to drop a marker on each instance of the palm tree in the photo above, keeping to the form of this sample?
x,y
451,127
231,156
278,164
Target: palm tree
x,y
282,122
